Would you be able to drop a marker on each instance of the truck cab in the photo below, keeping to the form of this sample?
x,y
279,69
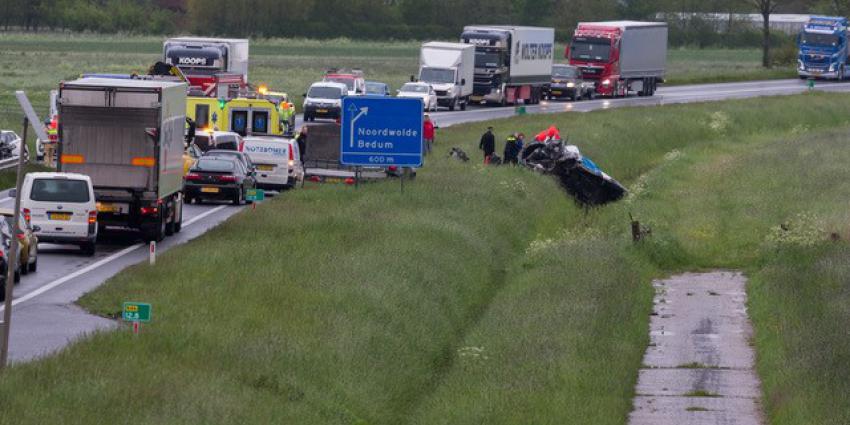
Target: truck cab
x,y
354,81
201,59
492,56
823,48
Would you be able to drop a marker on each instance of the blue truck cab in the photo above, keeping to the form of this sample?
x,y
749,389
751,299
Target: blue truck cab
x,y
823,48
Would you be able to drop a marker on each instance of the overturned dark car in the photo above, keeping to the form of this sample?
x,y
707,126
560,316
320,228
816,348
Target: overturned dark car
x,y
578,175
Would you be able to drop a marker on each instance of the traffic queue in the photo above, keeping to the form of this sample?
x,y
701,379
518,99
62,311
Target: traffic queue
x,y
131,150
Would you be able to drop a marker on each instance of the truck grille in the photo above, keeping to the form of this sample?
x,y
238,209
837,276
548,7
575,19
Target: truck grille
x,y
441,92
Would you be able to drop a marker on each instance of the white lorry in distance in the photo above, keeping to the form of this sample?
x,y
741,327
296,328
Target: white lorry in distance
x,y
450,69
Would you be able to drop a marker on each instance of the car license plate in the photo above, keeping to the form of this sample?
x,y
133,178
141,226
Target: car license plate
x,y
265,167
209,189
107,208
556,92
59,216
322,111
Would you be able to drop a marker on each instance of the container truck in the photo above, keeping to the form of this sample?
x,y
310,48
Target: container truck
x,y
512,64
620,56
450,69
127,136
200,59
823,48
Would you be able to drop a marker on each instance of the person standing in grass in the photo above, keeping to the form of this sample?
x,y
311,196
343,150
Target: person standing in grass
x,y
428,132
511,151
488,144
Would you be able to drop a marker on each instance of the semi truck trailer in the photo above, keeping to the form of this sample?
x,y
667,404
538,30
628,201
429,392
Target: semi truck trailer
x,y
450,69
620,56
512,64
823,48
127,136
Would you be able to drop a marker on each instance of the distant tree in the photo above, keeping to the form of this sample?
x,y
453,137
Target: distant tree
x,y
765,8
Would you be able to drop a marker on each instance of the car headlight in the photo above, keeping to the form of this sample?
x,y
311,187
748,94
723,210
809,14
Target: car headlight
x,y
606,82
832,67
571,85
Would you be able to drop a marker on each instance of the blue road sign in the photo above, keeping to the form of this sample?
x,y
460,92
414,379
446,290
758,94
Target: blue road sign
x,y
380,132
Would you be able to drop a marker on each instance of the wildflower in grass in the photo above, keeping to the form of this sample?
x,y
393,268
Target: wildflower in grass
x,y
472,353
719,121
804,230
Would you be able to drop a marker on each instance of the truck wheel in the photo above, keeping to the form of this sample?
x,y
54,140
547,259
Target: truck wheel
x,y
463,105
157,234
453,105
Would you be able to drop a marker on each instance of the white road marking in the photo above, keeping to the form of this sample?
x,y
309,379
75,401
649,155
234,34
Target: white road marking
x,y
100,263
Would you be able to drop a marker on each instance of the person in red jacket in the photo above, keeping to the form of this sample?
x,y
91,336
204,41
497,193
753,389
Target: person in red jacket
x,y
428,132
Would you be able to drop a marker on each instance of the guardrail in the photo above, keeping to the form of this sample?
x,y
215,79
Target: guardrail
x,y
8,163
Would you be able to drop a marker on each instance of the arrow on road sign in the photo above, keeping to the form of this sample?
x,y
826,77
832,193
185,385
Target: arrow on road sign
x,y
353,110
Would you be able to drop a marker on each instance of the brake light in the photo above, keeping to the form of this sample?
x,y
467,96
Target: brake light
x,y
21,236
192,177
241,146
27,214
393,168
92,217
349,181
149,210
226,178
291,155
315,179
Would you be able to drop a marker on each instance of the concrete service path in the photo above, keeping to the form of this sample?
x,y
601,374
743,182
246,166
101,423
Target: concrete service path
x,y
698,368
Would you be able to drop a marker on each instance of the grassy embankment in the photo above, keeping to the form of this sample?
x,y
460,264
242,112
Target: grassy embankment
x,y
482,295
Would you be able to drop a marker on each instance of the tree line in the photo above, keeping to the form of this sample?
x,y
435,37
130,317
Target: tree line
x,y
382,19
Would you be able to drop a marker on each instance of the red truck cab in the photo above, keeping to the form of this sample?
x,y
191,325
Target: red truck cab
x,y
620,56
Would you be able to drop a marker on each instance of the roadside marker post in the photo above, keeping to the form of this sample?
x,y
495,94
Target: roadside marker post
x,y
152,253
381,132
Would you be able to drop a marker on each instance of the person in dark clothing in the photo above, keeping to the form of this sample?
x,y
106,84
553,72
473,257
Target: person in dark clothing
x,y
488,144
511,150
190,133
301,139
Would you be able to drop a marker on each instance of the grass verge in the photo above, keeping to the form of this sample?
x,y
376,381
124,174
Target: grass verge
x,y
481,295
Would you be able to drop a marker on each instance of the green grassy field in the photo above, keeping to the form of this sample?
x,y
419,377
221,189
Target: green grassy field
x,y
482,295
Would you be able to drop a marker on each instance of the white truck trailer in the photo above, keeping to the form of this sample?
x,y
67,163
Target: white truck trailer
x,y
127,136
450,69
513,64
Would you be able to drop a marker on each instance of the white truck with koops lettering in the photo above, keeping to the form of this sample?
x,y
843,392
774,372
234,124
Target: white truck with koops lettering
x,y
513,64
277,159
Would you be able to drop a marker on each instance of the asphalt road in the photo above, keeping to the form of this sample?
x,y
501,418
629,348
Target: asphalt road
x,y
45,317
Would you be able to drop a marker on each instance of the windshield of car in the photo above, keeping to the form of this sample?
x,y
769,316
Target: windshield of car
x,y
376,88
437,75
814,39
414,88
597,50
487,59
349,82
219,165
324,93
59,190
564,72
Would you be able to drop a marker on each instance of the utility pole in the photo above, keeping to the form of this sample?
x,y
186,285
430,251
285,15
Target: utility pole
x,y
29,118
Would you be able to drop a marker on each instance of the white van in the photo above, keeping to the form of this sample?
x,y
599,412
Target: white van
x,y
62,205
277,161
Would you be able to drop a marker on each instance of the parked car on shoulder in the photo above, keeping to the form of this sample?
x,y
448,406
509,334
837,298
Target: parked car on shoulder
x,y
219,178
568,83
376,88
277,161
421,91
10,142
28,241
324,100
61,208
